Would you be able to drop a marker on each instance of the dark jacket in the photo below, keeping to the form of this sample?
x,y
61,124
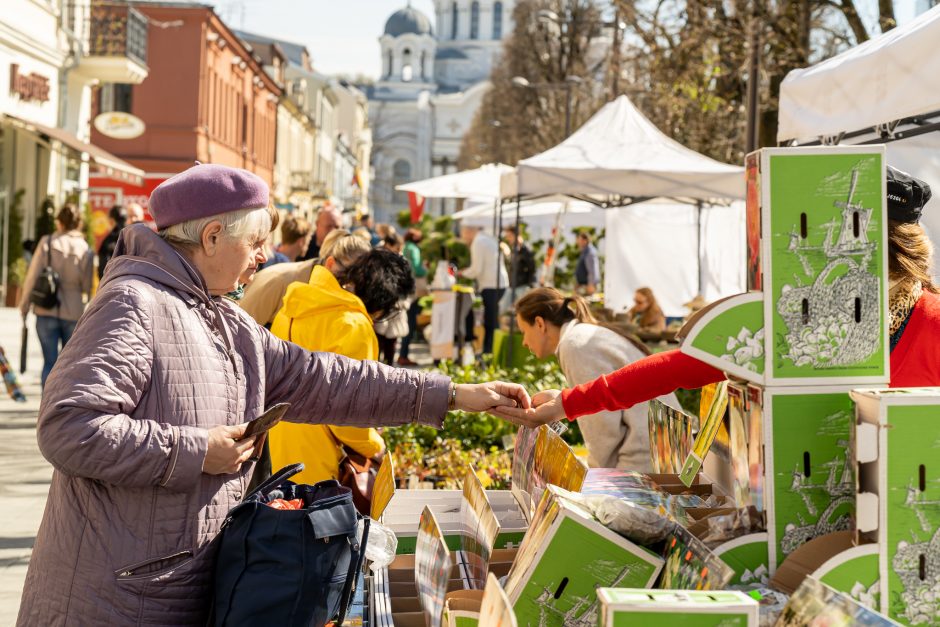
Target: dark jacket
x,y
523,268
106,250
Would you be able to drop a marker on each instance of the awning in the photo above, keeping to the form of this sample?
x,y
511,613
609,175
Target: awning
x,y
106,163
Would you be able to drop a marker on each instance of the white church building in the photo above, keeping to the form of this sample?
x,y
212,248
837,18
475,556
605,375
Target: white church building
x,y
433,79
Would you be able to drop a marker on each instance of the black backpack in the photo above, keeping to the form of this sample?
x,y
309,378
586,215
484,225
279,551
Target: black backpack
x,y
45,292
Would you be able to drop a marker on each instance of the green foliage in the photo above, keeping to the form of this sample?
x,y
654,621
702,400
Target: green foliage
x,y
689,400
481,431
15,235
566,259
438,241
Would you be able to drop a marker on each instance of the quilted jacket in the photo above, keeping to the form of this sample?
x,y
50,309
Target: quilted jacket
x,y
126,537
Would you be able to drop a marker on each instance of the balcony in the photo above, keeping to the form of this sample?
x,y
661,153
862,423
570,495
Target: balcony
x,y
117,44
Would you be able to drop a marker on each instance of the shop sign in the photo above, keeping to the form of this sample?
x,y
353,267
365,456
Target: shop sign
x,y
28,87
119,125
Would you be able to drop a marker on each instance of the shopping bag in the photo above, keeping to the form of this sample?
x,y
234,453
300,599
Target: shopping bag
x,y
290,567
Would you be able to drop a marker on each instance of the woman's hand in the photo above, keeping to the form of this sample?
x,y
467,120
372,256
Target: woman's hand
x,y
546,409
226,452
478,397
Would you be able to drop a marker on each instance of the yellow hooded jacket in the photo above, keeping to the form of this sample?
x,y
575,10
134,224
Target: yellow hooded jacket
x,y
326,318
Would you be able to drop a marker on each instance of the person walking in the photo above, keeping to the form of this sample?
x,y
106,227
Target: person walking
x,y
323,315
412,253
489,271
117,217
553,324
587,272
70,257
146,409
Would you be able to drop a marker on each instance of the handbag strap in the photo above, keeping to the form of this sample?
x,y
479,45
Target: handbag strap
x,y
356,559
276,479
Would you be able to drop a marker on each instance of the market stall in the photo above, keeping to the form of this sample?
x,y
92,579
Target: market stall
x,y
619,160
744,520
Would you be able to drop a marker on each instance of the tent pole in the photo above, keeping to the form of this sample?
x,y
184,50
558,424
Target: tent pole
x,y
512,285
499,262
698,241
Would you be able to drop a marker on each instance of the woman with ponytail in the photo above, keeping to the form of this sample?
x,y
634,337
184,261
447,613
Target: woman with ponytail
x,y
553,324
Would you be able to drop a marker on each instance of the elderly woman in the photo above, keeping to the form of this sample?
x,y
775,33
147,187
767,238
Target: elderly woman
x,y
144,411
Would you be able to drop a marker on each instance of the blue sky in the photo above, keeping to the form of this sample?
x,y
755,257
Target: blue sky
x,y
342,35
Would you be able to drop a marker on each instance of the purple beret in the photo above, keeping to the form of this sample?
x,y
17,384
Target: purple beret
x,y
206,190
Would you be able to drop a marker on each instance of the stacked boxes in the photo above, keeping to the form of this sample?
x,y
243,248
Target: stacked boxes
x,y
817,247
622,607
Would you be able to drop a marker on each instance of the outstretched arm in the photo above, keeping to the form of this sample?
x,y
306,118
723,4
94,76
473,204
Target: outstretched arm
x,y
638,382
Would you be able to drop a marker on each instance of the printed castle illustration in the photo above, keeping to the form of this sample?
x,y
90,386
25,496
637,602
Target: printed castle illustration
x,y
917,565
830,319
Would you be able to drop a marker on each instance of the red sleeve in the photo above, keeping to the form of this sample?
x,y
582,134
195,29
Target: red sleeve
x,y
639,382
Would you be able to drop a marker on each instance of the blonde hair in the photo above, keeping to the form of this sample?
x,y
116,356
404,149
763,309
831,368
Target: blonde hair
x,y
344,247
910,254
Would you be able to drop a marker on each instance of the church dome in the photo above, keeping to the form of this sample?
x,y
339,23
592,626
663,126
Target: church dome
x,y
408,21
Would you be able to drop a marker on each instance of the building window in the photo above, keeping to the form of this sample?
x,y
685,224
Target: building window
x,y
401,174
498,20
475,20
407,72
453,21
115,97
391,65
424,60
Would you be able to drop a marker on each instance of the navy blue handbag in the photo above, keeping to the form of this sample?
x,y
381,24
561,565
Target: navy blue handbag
x,y
289,567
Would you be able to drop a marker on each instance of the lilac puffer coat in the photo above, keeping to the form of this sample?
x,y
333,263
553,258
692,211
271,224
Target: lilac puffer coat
x,y
154,363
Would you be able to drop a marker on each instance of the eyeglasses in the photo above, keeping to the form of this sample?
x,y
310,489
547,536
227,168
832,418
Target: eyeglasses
x,y
391,313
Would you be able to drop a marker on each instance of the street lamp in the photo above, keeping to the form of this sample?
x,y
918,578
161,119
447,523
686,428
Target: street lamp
x,y
567,85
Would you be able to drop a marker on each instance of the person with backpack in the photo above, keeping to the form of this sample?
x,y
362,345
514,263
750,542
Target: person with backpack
x,y
57,283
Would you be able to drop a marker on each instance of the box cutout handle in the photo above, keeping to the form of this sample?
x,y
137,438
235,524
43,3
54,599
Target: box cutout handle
x,y
856,224
922,566
858,309
806,464
561,587
922,471
805,311
803,225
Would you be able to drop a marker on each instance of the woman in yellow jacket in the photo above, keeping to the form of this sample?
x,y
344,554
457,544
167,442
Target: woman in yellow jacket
x,y
335,312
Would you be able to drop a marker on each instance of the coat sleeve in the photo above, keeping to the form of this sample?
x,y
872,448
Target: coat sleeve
x,y
477,254
85,427
366,442
640,381
329,388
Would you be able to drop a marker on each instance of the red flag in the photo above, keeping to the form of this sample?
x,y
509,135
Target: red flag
x,y
416,202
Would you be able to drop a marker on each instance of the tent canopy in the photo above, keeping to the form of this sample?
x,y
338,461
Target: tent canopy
x,y
482,183
892,76
620,153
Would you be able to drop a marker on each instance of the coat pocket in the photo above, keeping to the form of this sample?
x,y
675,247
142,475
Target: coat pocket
x,y
153,567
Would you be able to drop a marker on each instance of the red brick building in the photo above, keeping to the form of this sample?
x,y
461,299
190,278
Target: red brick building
x,y
206,99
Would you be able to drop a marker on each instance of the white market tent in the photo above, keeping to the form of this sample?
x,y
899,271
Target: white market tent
x,y
618,155
620,158
885,90
483,182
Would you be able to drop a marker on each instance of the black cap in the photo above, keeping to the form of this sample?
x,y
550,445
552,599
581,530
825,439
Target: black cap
x,y
906,196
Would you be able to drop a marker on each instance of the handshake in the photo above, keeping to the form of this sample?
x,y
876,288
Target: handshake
x,y
510,401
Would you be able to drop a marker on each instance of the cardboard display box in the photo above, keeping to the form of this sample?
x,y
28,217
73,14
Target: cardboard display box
x,y
623,607
564,557
899,497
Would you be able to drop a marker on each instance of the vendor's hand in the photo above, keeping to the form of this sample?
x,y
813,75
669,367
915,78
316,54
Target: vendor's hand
x,y
488,396
546,409
226,452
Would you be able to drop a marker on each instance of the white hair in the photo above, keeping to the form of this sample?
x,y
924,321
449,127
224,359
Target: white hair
x,y
242,224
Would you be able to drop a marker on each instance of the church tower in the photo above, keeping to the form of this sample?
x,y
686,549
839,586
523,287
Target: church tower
x,y
408,49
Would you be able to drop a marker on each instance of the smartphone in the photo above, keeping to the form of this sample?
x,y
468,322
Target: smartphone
x,y
265,421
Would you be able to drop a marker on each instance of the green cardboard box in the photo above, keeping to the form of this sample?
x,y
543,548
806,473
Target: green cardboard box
x,y
824,262
565,556
626,607
809,473
896,442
